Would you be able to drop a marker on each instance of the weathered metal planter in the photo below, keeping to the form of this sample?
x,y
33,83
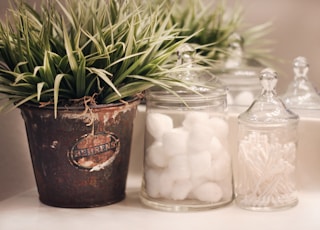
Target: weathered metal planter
x,y
81,158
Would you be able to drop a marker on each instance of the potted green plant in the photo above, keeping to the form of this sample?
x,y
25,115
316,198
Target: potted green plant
x,y
76,70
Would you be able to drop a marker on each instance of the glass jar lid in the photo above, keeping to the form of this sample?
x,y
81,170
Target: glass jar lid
x,y
235,66
268,109
203,83
301,94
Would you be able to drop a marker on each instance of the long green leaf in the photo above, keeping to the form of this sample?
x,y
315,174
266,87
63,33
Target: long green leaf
x,y
103,74
39,90
69,50
56,90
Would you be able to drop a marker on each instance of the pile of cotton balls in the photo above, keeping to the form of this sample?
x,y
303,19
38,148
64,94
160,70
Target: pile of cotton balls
x,y
188,160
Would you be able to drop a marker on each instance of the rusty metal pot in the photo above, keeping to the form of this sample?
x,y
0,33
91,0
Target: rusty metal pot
x,y
81,158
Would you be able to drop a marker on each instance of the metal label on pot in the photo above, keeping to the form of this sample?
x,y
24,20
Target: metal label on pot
x,y
95,152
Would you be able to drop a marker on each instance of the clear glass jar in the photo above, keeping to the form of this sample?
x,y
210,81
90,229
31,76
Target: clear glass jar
x,y
241,77
187,165
265,164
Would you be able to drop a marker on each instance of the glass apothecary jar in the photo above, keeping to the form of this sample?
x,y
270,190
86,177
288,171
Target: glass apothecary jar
x,y
265,164
240,76
187,165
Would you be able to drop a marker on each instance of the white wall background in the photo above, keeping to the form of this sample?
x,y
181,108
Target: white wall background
x,y
296,31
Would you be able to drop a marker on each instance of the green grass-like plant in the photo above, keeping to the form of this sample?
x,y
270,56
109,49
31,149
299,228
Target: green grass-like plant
x,y
85,48
215,23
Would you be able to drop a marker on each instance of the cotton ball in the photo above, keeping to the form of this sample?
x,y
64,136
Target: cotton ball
x,y
193,118
155,156
220,127
178,167
220,167
175,141
152,185
157,124
200,163
244,98
226,187
196,182
181,189
208,192
199,138
215,147
165,183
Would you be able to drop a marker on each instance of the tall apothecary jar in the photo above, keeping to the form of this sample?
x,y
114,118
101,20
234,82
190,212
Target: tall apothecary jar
x,y
264,167
187,165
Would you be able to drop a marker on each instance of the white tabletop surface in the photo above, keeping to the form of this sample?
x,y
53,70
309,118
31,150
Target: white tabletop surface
x,y
24,211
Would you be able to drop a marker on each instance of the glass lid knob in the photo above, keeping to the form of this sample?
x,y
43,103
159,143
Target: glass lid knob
x,y
185,54
268,80
235,51
300,67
